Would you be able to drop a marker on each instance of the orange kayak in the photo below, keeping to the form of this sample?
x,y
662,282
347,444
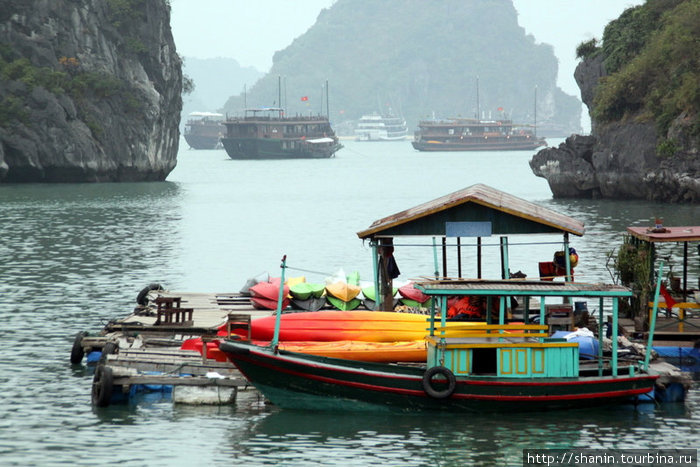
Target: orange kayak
x,y
356,325
383,352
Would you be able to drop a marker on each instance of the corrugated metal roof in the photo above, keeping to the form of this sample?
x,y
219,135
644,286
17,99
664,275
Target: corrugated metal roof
x,y
477,203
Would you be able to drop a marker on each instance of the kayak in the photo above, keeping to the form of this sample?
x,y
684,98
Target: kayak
x,y
342,304
306,290
310,304
409,292
384,352
265,295
356,325
343,290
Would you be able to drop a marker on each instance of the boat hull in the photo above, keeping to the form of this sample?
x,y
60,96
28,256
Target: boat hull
x,y
202,141
507,145
300,381
271,148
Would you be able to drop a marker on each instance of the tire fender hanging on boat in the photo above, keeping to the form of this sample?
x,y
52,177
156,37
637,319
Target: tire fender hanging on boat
x,y
141,298
428,380
77,352
102,385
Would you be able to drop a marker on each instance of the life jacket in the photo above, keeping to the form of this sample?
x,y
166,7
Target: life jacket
x,y
468,306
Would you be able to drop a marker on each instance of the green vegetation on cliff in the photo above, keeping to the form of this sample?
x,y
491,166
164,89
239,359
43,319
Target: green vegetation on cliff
x,y
68,79
652,57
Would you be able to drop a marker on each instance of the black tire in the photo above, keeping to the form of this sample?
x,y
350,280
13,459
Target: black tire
x,y
77,352
108,349
102,385
141,298
428,382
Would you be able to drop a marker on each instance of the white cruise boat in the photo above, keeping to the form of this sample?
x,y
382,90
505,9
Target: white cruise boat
x,y
376,127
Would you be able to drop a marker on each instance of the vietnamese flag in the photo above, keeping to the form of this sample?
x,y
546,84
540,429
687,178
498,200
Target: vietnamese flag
x,y
500,109
304,99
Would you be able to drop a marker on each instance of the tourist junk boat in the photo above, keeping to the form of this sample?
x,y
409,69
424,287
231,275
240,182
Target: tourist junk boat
x,y
501,367
377,127
268,134
464,134
204,130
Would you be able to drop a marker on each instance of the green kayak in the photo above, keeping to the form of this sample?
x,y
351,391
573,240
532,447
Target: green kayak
x,y
369,292
306,290
342,305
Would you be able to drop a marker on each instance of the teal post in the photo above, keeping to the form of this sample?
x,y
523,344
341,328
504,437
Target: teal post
x,y
567,259
489,307
601,335
280,297
443,317
502,310
526,313
652,325
542,310
504,258
613,335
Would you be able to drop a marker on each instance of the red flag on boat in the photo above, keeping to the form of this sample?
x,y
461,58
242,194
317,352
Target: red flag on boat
x,y
500,109
304,99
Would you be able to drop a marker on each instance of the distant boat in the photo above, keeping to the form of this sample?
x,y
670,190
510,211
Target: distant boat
x,y
268,134
204,130
467,134
377,127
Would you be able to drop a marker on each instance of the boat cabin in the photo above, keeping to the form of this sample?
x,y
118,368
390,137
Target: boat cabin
x,y
271,123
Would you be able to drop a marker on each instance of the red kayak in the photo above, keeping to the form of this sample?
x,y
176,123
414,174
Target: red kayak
x,y
411,293
265,295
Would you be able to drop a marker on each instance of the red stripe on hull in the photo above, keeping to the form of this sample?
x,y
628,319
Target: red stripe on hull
x,y
457,395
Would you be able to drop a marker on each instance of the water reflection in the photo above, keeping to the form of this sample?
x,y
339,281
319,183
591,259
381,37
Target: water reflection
x,y
443,439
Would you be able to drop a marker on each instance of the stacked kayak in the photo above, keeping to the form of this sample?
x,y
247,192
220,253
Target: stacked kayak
x,y
342,292
369,297
412,297
265,295
336,325
307,296
384,352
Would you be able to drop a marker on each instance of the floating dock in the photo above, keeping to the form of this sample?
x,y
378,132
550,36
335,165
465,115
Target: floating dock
x,y
141,352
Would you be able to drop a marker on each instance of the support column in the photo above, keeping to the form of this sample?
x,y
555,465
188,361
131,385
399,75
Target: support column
x,y
386,290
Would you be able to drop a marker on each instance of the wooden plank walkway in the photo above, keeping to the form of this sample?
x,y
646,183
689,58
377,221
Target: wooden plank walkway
x,y
138,345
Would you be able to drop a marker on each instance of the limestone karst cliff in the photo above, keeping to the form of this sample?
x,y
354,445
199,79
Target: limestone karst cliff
x,y
642,89
90,91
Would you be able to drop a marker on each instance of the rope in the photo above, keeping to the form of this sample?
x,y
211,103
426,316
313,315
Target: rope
x,y
309,271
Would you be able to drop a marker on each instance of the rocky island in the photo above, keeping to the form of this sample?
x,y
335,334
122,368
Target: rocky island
x,y
90,91
642,89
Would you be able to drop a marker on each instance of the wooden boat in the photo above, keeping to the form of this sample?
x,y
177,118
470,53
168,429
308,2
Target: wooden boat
x,y
306,290
484,371
464,134
204,130
268,134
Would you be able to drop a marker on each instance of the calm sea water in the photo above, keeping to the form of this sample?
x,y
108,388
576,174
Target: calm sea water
x,y
73,257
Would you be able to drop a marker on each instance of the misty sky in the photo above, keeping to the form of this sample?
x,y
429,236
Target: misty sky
x,y
252,30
